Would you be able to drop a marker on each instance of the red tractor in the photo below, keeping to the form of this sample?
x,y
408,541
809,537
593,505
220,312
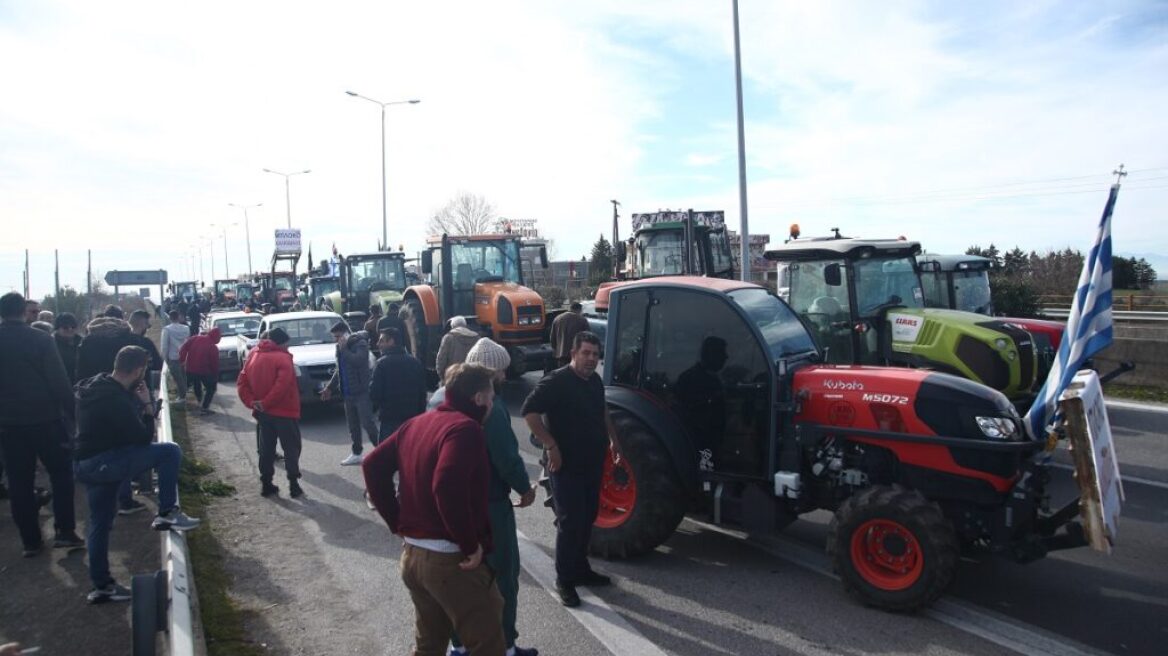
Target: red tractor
x,y
723,407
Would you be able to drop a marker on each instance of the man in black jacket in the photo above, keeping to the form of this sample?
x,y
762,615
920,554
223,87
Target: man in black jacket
x,y
35,406
106,336
398,388
115,424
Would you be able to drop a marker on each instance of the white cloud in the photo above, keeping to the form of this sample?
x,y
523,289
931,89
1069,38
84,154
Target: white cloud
x,y
129,127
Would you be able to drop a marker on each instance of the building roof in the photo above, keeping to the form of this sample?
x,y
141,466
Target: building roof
x,y
833,249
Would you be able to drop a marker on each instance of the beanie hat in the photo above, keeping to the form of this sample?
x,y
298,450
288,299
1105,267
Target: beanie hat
x,y
279,336
489,354
458,322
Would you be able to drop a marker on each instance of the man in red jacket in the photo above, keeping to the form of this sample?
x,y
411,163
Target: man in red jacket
x,y
200,358
267,385
440,510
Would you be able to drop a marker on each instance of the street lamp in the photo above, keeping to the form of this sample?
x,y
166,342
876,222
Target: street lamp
x,y
247,230
226,267
383,105
287,192
741,152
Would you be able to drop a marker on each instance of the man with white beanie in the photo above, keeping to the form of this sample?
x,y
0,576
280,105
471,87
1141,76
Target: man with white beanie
x,y
455,345
507,473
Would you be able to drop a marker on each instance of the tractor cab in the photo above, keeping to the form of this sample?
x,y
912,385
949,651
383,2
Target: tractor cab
x,y
186,291
957,282
319,288
675,244
864,302
368,279
246,291
225,292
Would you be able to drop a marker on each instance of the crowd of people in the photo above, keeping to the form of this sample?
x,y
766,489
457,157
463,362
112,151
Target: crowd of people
x,y
89,416
80,402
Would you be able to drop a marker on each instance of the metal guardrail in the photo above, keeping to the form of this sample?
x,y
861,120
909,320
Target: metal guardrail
x,y
176,559
1117,315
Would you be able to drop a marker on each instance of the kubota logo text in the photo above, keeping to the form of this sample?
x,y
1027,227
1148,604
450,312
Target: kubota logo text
x,y
852,385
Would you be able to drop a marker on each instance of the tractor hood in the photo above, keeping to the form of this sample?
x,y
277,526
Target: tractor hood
x,y
911,401
383,298
1053,330
602,294
487,293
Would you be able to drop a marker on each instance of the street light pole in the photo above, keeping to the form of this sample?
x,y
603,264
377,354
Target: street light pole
x,y
287,190
247,230
226,265
745,231
384,211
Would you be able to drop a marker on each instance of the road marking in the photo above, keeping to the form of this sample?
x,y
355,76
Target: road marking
x,y
958,614
596,616
1131,405
1124,477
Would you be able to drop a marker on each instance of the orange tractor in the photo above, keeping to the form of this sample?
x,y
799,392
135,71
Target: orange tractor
x,y
480,278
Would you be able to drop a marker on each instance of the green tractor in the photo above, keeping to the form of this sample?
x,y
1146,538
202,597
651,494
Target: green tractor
x,y
863,300
367,279
659,246
318,289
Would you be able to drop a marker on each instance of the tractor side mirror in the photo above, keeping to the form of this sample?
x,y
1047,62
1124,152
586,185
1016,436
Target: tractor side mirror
x,y
831,275
543,257
427,261
621,252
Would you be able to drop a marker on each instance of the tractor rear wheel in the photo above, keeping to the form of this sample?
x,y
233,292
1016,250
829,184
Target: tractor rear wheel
x,y
892,548
641,498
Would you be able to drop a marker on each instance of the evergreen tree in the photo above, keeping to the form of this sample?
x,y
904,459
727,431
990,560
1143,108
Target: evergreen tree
x,y
600,263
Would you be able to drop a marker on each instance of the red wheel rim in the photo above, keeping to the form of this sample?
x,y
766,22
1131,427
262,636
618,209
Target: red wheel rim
x,y
886,554
618,493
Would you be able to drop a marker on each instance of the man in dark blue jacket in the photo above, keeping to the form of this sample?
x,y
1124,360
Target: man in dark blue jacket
x,y
115,424
36,405
398,388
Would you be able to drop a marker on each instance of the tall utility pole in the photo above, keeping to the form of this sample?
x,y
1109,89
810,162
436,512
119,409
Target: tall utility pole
x,y
26,282
384,211
745,262
89,272
288,190
56,281
247,230
615,238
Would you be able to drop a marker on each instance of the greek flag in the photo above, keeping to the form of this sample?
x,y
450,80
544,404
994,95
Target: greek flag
x,y
1088,328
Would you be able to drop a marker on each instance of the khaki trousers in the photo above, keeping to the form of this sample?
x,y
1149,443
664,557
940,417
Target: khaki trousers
x,y
449,599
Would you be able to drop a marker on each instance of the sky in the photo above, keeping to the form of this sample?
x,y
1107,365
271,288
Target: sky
x,y
128,128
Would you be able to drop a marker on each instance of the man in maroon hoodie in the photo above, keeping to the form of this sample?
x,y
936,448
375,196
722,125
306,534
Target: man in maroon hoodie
x,y
268,386
200,358
440,510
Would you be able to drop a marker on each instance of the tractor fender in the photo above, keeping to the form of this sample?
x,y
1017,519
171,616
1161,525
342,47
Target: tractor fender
x,y
666,426
429,300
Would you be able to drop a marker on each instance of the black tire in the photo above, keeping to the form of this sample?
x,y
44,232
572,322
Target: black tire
x,y
660,498
922,521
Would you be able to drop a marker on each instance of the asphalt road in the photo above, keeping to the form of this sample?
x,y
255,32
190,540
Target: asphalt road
x,y
708,590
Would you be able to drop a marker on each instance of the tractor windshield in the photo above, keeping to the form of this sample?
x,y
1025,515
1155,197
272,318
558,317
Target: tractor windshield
x,y
886,282
376,274
284,282
222,286
971,292
482,260
721,261
186,289
661,253
784,334
325,286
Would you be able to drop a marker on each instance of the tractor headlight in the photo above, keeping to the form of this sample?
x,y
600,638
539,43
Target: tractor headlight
x,y
1001,343
999,428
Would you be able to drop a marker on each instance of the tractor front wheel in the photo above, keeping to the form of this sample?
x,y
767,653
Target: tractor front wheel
x,y
641,497
892,548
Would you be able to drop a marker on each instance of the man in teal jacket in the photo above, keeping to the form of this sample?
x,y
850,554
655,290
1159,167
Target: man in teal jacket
x,y
507,473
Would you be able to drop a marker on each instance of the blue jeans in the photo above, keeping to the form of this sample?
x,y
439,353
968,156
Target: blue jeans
x,y
103,474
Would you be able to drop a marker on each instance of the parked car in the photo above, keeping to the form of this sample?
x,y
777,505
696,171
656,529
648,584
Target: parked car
x,y
232,326
311,345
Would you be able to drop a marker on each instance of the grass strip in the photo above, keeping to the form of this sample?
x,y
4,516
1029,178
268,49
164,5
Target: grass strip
x,y
222,618
1137,392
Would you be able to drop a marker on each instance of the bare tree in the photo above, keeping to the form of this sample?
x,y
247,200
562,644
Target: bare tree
x,y
465,214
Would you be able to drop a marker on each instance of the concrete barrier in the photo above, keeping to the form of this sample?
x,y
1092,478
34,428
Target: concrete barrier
x,y
1149,355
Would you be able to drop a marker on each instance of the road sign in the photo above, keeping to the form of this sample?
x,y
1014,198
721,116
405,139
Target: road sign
x,y
131,278
1096,464
288,240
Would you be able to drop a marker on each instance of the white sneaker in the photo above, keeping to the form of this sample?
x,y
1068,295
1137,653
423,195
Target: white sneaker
x,y
353,459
